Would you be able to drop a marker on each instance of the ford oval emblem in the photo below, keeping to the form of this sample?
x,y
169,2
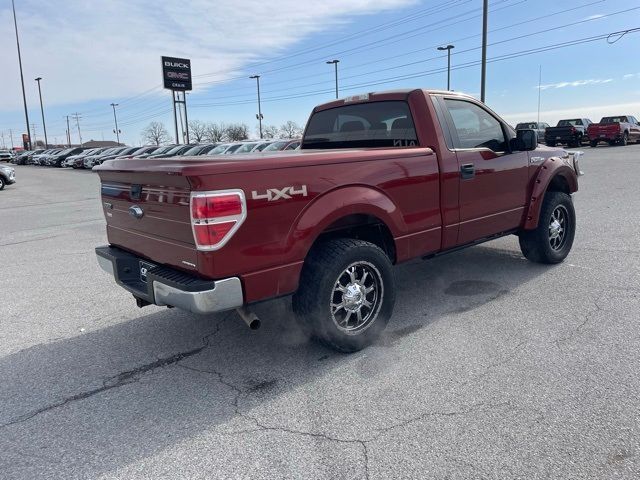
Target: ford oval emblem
x,y
135,211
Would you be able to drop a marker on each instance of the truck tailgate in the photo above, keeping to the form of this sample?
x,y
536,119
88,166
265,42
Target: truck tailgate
x,y
148,214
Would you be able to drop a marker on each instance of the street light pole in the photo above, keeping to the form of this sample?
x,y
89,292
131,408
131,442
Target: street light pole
x,y
259,115
44,126
448,48
24,96
483,75
335,64
115,119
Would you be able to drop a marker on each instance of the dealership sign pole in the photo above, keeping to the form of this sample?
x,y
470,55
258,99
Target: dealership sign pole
x,y
26,144
176,76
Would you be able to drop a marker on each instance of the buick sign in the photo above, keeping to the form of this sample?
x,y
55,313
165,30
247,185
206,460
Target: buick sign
x,y
176,73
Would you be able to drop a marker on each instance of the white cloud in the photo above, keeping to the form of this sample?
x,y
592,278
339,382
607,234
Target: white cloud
x,y
594,17
105,50
629,76
576,83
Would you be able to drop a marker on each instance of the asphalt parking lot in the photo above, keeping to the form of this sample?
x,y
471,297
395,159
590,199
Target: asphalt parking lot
x,y
492,367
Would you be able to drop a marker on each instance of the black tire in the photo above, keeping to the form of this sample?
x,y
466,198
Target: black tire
x,y
551,143
541,245
624,140
328,266
593,143
1,183
612,143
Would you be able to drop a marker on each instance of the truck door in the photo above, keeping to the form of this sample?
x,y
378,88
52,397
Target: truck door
x,y
493,179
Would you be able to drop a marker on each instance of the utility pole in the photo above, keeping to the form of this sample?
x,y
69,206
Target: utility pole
x,y
115,119
259,115
539,90
335,64
448,48
11,136
186,120
24,96
3,145
44,126
483,79
68,132
33,125
77,117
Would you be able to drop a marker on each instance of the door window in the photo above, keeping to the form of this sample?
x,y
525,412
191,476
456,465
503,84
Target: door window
x,y
475,127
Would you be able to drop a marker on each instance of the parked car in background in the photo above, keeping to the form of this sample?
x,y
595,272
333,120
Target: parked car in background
x,y
7,176
111,155
620,130
572,132
539,127
222,148
246,147
58,159
42,158
172,152
279,145
6,155
71,160
140,152
26,157
90,161
199,149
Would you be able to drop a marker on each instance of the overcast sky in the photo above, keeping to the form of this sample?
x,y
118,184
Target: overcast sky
x,y
93,53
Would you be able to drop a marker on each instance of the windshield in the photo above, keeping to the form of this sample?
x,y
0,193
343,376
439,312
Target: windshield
x,y
570,123
194,150
275,146
373,124
233,148
247,147
219,149
261,147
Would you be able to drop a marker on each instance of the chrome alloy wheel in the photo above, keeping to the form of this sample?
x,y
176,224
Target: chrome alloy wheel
x,y
357,297
558,227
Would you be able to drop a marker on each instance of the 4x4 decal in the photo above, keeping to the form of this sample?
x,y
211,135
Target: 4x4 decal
x,y
285,193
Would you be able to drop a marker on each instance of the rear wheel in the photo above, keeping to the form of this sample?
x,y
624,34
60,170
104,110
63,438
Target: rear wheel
x,y
551,143
625,139
593,143
1,183
346,293
551,241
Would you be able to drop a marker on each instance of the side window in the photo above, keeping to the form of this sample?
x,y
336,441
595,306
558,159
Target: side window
x,y
475,127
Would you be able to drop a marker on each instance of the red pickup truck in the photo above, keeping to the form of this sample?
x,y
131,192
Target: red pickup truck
x,y
381,178
614,130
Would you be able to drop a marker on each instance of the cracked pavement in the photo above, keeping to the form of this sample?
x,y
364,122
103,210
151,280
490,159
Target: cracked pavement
x,y
491,368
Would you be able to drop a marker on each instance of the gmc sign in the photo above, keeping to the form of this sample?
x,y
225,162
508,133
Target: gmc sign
x,y
176,73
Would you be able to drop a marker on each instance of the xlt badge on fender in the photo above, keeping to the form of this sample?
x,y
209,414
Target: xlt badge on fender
x,y
135,211
273,194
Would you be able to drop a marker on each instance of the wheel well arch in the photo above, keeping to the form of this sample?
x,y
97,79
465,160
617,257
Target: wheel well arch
x,y
559,183
360,226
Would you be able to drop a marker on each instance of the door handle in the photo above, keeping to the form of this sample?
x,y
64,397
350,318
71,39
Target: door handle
x,y
467,171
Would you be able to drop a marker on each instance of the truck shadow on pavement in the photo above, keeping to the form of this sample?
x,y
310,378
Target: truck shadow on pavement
x,y
89,405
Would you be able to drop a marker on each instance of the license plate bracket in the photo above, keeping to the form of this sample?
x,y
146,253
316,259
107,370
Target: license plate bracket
x,y
144,269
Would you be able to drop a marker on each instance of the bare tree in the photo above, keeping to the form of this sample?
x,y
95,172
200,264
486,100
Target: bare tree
x,y
214,132
197,130
155,133
269,131
290,130
236,131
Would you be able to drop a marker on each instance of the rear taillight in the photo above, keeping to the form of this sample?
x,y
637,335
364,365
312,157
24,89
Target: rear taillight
x,y
216,216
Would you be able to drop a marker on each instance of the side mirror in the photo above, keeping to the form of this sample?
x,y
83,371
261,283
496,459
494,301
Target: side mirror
x,y
525,140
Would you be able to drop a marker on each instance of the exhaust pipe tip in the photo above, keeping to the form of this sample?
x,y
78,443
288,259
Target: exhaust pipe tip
x,y
250,318
254,324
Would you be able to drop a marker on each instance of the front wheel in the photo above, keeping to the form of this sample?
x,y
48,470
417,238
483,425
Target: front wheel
x,y
346,294
593,143
1,183
551,143
551,240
